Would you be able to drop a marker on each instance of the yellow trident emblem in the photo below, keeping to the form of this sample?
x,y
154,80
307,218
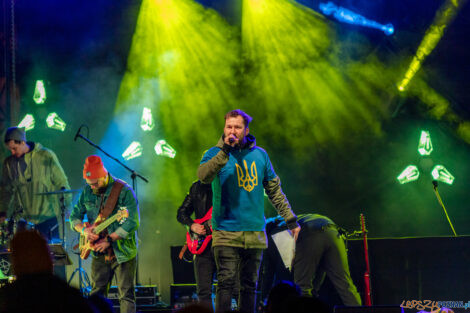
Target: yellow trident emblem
x,y
245,180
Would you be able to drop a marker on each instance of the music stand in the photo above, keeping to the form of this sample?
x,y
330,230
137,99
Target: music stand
x,y
60,257
84,284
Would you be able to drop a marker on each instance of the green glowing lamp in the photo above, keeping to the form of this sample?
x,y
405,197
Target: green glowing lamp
x,y
425,144
27,122
39,92
146,123
440,173
164,149
55,122
133,151
409,174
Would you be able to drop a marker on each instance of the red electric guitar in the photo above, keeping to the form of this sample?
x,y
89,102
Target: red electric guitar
x,y
197,243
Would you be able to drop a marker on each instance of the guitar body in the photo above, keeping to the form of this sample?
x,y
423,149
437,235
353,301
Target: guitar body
x,y
100,225
197,243
86,246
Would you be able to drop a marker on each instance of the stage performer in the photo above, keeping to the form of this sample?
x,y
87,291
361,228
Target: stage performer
x,y
114,249
240,172
199,202
320,251
32,169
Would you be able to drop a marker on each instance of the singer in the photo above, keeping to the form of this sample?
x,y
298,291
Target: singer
x,y
240,172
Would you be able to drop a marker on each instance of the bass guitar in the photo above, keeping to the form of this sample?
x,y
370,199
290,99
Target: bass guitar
x,y
197,243
86,246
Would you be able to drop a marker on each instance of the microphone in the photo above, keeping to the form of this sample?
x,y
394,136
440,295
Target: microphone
x,y
434,184
78,133
231,140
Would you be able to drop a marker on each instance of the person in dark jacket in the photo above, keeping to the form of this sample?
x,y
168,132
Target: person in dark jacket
x,y
199,202
319,251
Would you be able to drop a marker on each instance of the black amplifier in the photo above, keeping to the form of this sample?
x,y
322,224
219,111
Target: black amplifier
x,y
145,296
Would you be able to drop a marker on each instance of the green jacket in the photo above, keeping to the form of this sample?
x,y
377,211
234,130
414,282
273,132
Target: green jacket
x,y
88,204
20,190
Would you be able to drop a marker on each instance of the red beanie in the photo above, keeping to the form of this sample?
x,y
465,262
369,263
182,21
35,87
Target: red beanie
x,y
94,168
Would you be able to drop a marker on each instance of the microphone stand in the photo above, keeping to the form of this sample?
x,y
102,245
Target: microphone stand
x,y
439,199
134,175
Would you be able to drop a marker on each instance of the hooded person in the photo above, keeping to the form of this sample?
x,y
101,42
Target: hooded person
x,y
28,173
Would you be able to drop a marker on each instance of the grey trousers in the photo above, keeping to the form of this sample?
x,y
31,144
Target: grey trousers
x,y
102,274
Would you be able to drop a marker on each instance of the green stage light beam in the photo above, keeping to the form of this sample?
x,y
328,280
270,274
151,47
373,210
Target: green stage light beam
x,y
296,73
444,17
28,122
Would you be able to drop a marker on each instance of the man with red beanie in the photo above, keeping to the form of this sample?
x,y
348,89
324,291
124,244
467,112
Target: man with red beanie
x,y
115,248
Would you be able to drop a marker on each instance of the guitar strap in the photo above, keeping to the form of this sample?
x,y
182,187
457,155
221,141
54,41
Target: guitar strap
x,y
112,199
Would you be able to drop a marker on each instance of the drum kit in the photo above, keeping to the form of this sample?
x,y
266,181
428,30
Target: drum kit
x,y
15,223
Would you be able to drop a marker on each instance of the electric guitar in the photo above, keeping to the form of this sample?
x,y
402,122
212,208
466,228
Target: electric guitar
x,y
197,243
86,246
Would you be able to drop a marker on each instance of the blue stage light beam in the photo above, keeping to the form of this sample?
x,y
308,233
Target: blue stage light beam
x,y
348,16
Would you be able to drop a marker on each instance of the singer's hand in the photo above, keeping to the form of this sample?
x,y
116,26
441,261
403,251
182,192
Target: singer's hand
x,y
231,140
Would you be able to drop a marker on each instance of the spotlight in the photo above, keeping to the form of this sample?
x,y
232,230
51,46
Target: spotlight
x,y
55,122
146,123
39,96
133,151
348,16
164,149
443,18
27,122
440,173
409,174
425,145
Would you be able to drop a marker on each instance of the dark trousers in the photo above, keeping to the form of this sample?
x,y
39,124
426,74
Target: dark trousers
x,y
320,252
204,270
102,273
230,261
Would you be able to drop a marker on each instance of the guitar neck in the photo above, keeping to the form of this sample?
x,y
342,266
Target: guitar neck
x,y
98,229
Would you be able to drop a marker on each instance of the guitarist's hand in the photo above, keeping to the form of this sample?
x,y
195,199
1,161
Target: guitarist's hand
x,y
90,235
198,229
101,245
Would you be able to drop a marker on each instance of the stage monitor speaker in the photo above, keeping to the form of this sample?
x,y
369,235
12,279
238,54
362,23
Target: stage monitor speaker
x,y
369,309
183,271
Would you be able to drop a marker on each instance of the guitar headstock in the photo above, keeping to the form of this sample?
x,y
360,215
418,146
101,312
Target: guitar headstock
x,y
122,215
363,223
